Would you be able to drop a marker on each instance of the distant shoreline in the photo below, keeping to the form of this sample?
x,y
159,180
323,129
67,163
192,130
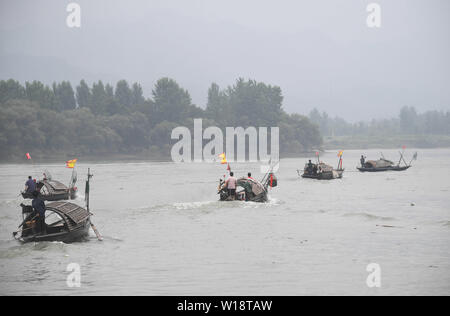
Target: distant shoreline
x,y
330,144
387,142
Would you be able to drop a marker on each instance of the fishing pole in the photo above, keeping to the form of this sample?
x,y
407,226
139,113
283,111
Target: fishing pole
x,y
401,158
413,158
21,231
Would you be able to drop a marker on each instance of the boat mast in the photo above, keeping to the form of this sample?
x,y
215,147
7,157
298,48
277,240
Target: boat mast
x,y
86,196
89,176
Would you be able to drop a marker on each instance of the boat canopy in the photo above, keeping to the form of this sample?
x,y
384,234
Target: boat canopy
x,y
251,185
54,187
74,215
381,163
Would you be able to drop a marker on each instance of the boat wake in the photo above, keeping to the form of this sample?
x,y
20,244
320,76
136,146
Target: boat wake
x,y
207,206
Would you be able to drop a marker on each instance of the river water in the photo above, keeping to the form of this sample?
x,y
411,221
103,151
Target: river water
x,y
165,233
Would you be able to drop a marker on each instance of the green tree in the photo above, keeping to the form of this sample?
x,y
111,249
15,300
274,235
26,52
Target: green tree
x,y
217,107
99,98
171,102
36,91
83,94
124,95
64,96
137,95
10,90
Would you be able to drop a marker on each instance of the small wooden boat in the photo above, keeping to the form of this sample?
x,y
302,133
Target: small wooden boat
x,y
52,190
70,223
321,171
64,222
249,189
383,164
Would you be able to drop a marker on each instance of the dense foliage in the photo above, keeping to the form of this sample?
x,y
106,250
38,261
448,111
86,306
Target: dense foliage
x,y
409,122
102,120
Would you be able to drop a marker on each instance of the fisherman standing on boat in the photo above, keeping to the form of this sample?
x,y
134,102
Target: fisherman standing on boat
x,y
30,185
363,161
39,209
230,184
247,194
310,167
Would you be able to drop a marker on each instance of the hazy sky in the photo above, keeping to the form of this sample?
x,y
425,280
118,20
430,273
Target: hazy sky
x,y
320,52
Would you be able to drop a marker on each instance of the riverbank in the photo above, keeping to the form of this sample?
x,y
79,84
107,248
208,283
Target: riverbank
x,y
329,143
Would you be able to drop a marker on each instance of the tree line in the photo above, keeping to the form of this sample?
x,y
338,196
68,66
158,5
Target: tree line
x,y
101,119
408,122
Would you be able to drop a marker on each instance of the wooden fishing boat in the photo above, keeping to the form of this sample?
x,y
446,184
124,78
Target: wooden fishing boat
x,y
321,171
69,223
249,189
52,190
382,164
64,222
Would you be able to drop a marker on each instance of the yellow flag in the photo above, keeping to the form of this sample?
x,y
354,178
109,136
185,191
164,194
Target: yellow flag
x,y
341,153
71,163
224,159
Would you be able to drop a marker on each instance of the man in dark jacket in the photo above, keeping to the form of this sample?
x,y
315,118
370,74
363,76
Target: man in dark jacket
x,y
39,209
363,161
30,185
310,167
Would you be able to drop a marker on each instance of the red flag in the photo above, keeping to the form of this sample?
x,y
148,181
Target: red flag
x,y
404,147
28,156
271,180
229,168
317,153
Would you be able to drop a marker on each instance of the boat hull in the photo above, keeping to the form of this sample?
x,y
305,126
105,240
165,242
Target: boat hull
x,y
383,169
240,196
68,237
335,174
49,198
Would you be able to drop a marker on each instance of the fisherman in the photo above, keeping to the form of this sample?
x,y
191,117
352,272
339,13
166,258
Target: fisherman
x,y
30,185
310,167
39,210
230,184
316,169
247,194
363,161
